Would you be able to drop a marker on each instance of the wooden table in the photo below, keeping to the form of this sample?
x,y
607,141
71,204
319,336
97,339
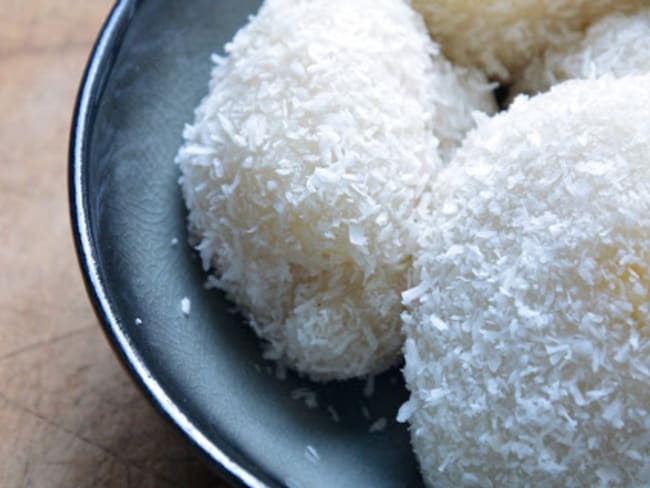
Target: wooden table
x,y
69,415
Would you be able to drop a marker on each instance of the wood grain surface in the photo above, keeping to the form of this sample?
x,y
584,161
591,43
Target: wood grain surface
x,y
69,415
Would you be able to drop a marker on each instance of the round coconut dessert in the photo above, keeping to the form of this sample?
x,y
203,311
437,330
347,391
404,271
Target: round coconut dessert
x,y
321,132
617,45
528,313
503,36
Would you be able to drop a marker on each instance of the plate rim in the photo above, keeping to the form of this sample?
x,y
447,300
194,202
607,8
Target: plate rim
x,y
101,61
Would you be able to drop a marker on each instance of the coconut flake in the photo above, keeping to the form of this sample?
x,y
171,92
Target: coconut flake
x,y
312,454
186,306
378,425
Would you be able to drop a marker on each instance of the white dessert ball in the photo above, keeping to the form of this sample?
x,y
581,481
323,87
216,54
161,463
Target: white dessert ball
x,y
617,45
322,130
502,36
528,321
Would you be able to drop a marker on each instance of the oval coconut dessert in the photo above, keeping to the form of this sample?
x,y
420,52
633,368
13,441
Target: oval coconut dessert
x,y
322,131
528,322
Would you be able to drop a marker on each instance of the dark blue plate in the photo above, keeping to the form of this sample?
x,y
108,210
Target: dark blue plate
x,y
204,372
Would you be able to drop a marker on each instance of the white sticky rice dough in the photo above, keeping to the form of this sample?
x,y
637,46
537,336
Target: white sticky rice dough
x,y
618,45
503,36
528,314
320,135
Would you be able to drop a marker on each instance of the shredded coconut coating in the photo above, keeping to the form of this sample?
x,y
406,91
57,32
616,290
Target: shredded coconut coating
x,y
503,36
528,321
618,45
320,135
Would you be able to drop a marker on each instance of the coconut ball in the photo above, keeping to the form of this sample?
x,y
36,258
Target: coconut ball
x,y
617,45
528,311
503,36
322,130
